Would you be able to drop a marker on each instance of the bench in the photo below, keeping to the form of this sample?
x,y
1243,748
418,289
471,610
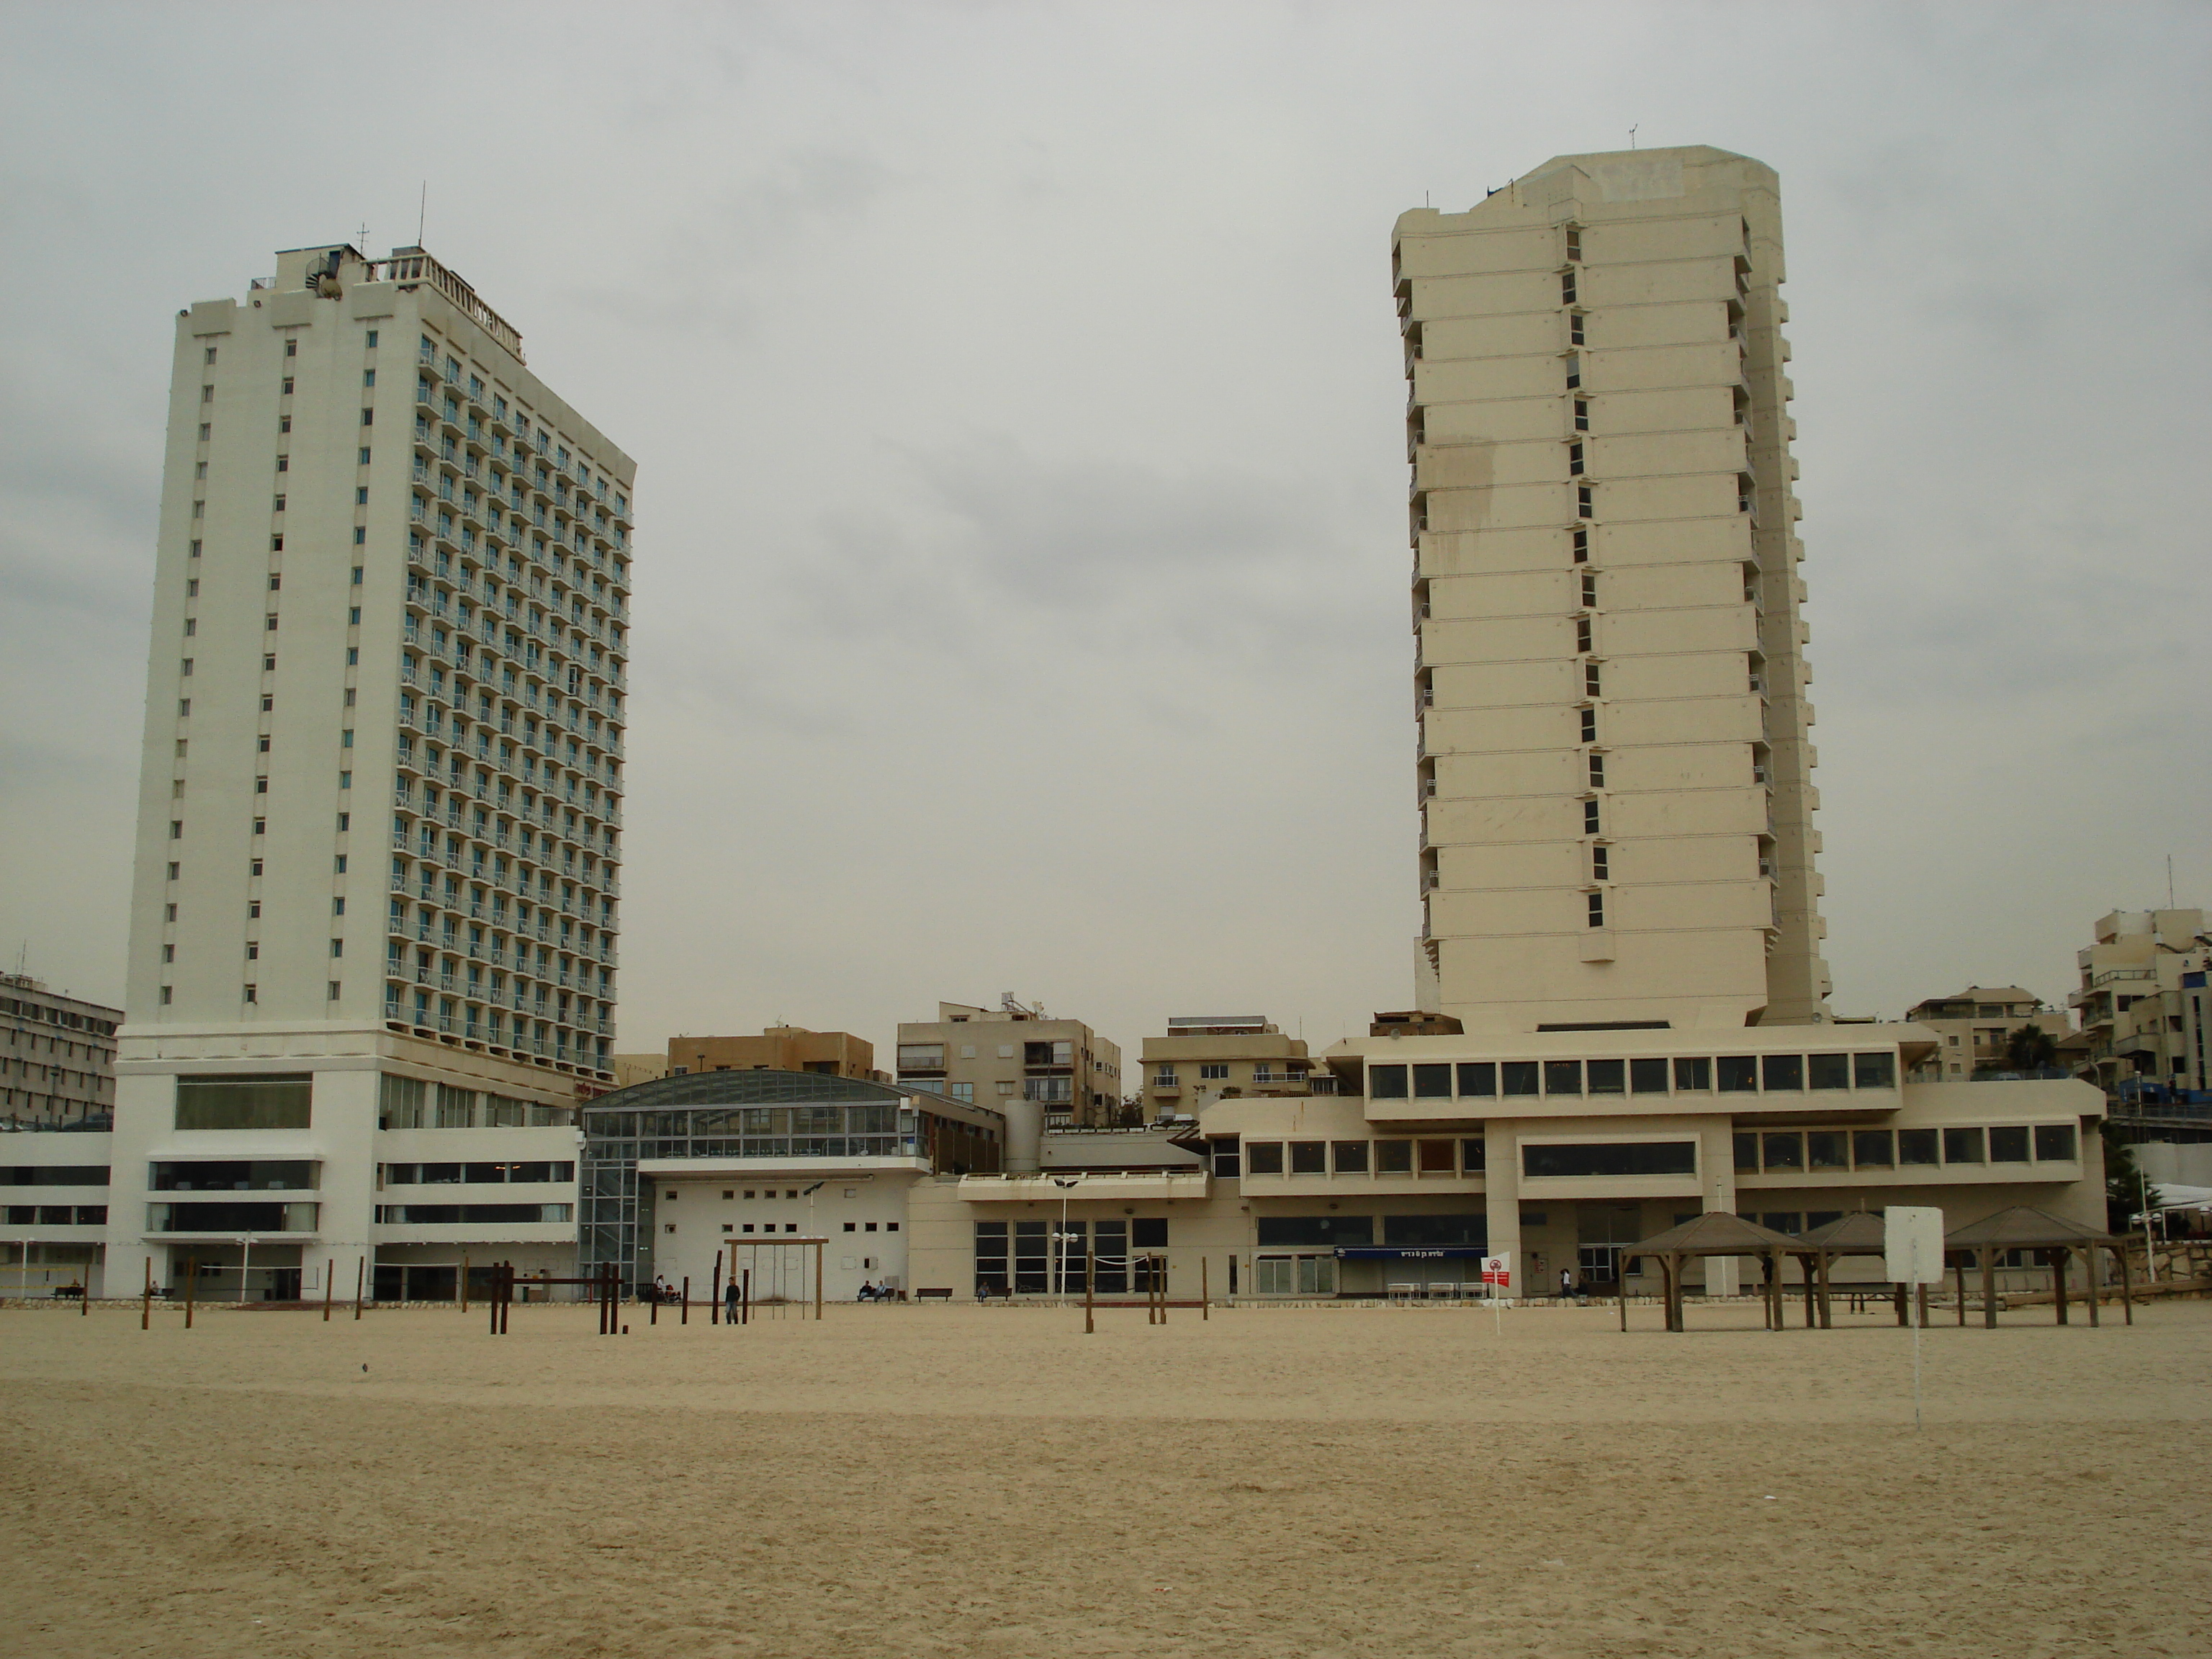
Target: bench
x,y
944,1294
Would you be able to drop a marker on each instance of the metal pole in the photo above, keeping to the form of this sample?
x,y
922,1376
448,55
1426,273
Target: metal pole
x,y
360,1282
817,1278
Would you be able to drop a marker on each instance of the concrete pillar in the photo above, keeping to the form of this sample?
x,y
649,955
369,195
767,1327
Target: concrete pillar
x,y
1025,1135
1501,1194
1716,1163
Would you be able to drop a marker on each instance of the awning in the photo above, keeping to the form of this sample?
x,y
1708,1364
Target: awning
x,y
1411,1253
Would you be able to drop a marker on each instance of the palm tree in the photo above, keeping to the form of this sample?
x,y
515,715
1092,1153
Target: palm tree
x,y
2031,1050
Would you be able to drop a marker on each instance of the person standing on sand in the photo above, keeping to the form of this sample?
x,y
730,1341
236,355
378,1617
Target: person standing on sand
x,y
730,1300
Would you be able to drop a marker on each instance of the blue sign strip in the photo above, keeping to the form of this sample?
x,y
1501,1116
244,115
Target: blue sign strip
x,y
1411,1253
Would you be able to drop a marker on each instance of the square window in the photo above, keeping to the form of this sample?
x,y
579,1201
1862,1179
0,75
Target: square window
x,y
1309,1157
852,1227
1873,1149
1782,1151
1916,1147
1351,1157
1386,1082
1784,1071
1432,1082
1563,1077
1264,1157
1824,1149
1608,1077
1647,1077
1874,1072
1964,1146
1478,1078
1738,1074
1517,1076
2008,1144
1394,1157
1747,1152
1829,1071
2054,1142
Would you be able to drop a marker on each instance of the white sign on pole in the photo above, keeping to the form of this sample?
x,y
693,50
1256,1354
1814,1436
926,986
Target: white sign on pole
x,y
1497,1273
1912,1244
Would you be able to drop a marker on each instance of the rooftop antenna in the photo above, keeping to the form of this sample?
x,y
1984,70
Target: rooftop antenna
x,y
422,211
1631,136
2169,881
363,234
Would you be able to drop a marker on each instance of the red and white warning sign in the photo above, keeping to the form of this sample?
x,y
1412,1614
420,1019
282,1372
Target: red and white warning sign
x,y
1498,1273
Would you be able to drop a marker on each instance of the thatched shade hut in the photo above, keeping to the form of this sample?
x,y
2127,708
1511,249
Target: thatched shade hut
x,y
2021,1228
1860,1233
1714,1233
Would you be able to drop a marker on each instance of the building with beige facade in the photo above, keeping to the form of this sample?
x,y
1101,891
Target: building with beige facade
x,y
1018,1059
777,1048
57,1068
374,900
1206,1057
1974,1028
2142,1002
1615,770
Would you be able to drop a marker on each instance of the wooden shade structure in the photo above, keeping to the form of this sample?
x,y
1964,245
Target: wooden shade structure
x,y
1714,1233
2022,1228
1860,1233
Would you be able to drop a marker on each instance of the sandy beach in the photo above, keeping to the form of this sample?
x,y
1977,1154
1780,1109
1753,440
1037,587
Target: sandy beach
x,y
956,1480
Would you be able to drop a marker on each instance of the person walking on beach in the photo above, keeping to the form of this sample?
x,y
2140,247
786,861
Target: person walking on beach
x,y
730,1300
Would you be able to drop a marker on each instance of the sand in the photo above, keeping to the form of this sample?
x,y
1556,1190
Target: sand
x,y
956,1480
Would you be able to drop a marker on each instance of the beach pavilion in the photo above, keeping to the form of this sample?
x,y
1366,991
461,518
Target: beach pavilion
x,y
2022,1228
1714,1233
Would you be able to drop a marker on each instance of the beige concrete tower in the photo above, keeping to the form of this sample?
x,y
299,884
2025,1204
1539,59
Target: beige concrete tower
x,y
1614,774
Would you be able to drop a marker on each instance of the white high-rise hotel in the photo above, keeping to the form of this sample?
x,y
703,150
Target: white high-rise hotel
x,y
376,903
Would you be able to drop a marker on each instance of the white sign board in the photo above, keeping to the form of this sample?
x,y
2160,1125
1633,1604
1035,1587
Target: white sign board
x,y
1498,1273
1912,1244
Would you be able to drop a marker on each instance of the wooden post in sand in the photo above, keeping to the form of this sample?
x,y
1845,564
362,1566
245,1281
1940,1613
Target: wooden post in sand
x,y
1204,1294
1960,1273
745,1299
1089,1293
146,1308
1922,1299
192,1279
1989,1286
360,1282
714,1307
686,1318
327,1275
464,1284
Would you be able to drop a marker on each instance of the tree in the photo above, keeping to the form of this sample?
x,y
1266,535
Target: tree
x,y
2031,1049
2123,1188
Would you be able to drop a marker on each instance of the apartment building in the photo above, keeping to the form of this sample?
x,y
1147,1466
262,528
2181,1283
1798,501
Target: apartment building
x,y
1627,1007
1018,1059
1974,1028
2141,1005
1204,1057
1614,777
777,1048
392,585
58,1070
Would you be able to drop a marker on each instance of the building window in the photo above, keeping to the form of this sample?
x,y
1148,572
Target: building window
x,y
166,991
1585,501
1583,640
1589,817
1593,681
1213,1071
1601,864
252,993
1582,546
1589,725
1583,1159
333,994
1574,457
1577,334
1574,242
1567,287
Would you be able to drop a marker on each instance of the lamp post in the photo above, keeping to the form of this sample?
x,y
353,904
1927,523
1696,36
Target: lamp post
x,y
1060,1239
245,1267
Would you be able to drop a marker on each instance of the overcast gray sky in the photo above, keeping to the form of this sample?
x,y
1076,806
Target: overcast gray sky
x,y
1015,391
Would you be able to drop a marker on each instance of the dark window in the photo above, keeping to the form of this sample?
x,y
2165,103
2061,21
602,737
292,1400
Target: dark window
x,y
1386,1082
1824,1149
1589,725
1696,1074
1265,1156
1780,1221
1309,1157
240,1176
1784,1071
1432,1082
1747,1152
1784,1150
1563,1077
244,1102
1518,1077
1608,1077
1627,1158
1352,1157
1478,1077
1148,1232
1874,1071
1873,1149
1475,1156
1829,1071
2054,1142
1313,1231
1394,1157
1596,905
1916,1147
1436,1157
1589,817
1647,1077
1738,1074
1436,1229
54,1175
2008,1144
1227,1160
1964,1146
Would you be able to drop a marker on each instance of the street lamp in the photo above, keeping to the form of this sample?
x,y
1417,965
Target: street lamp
x,y
1060,1241
245,1267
